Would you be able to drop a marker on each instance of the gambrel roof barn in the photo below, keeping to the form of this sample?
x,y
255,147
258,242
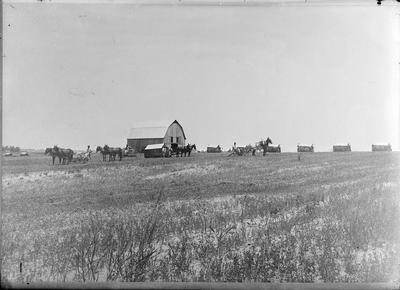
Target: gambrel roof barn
x,y
170,134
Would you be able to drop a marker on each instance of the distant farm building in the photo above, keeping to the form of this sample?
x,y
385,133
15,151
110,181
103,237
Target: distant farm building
x,y
381,147
305,148
274,148
341,148
155,150
214,149
169,134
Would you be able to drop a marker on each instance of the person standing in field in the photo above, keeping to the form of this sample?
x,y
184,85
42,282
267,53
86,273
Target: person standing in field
x,y
88,151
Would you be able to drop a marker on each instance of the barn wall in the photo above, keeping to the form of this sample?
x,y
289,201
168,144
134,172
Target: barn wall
x,y
139,144
174,130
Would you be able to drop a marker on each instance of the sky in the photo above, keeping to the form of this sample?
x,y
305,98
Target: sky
x,y
83,73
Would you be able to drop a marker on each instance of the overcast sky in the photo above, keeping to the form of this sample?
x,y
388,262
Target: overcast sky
x,y
79,74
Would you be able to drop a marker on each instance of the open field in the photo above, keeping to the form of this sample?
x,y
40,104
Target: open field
x,y
330,217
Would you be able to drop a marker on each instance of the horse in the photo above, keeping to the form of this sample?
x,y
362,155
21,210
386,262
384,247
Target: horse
x,y
113,151
186,150
103,153
50,152
53,154
64,154
264,145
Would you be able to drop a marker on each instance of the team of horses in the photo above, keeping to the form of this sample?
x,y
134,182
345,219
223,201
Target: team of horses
x,y
186,150
112,152
64,155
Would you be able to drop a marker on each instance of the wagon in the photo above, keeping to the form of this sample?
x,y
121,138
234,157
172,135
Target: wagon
x,y
214,149
305,148
342,148
272,148
129,152
381,147
81,157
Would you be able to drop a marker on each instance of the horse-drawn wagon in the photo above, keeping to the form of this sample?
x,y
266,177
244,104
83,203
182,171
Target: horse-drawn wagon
x,y
342,148
381,147
272,148
81,157
305,148
214,149
129,152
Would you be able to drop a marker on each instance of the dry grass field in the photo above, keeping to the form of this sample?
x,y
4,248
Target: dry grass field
x,y
330,217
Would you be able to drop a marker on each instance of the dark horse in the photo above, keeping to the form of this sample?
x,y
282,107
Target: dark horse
x,y
62,154
50,152
103,152
264,145
185,150
112,152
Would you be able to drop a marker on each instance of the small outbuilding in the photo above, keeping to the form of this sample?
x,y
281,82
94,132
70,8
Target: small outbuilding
x,y
342,148
381,147
156,150
305,148
167,133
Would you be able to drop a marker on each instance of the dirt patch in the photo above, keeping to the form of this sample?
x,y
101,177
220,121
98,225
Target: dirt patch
x,y
11,179
190,170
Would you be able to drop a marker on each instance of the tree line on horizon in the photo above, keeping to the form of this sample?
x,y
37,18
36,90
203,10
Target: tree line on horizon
x,y
12,149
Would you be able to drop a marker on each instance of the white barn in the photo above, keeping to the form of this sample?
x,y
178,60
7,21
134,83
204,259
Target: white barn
x,y
170,134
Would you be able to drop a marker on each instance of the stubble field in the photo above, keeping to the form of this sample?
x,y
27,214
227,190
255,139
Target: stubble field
x,y
330,217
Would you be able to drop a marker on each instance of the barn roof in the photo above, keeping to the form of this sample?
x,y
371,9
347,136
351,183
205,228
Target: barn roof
x,y
148,132
306,145
152,130
154,146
